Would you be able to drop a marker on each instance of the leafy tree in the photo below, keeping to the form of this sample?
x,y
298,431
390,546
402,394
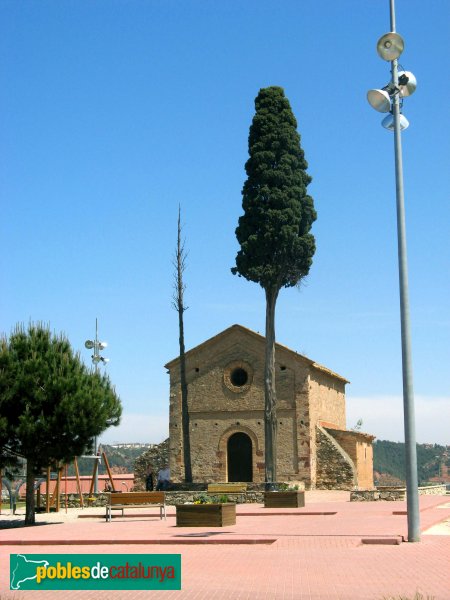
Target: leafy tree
x,y
179,263
54,404
276,246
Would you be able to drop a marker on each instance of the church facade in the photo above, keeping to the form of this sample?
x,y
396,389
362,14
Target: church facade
x,y
225,376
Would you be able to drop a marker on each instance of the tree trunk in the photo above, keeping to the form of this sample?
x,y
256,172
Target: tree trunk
x,y
29,498
270,413
184,406
178,302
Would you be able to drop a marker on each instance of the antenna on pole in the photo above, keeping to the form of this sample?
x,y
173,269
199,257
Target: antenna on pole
x,y
96,346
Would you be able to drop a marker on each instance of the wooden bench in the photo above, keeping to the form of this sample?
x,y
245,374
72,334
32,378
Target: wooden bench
x,y
226,488
120,501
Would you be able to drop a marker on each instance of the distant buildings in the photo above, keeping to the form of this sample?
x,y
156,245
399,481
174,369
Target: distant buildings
x,y
129,445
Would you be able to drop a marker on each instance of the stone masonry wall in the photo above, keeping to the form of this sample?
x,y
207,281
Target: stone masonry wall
x,y
359,447
433,490
327,398
326,403
394,493
335,469
218,410
305,457
306,394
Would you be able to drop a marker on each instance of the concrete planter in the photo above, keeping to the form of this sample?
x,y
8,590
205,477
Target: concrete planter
x,y
206,515
289,499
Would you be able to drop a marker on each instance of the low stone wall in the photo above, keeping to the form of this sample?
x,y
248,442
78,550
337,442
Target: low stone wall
x,y
394,493
73,501
386,493
182,492
433,490
178,494
172,498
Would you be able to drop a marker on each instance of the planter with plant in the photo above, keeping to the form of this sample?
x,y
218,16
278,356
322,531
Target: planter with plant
x,y
285,497
206,511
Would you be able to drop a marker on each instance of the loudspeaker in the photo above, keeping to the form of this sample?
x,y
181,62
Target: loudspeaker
x,y
390,46
388,122
407,83
379,100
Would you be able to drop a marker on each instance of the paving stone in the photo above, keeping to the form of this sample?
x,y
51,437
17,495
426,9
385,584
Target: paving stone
x,y
315,556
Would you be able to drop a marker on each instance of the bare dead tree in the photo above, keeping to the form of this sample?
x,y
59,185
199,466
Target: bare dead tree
x,y
179,262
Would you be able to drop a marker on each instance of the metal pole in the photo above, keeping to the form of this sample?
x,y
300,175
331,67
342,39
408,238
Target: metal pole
x,y
412,492
96,358
392,12
96,353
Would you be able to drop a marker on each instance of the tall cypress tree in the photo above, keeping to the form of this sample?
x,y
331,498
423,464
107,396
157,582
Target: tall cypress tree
x,y
276,246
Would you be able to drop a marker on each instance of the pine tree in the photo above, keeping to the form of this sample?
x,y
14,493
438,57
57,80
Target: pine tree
x,y
276,246
54,405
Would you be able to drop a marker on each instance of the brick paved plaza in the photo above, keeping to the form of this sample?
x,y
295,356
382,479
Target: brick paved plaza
x,y
356,552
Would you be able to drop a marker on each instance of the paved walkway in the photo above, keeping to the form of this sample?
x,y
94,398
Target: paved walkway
x,y
330,549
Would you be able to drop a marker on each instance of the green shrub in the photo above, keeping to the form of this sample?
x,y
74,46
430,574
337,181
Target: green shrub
x,y
203,498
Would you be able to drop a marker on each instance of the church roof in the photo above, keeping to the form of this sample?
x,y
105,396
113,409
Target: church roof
x,y
260,338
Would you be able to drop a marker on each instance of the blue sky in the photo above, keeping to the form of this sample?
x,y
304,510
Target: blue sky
x,y
114,112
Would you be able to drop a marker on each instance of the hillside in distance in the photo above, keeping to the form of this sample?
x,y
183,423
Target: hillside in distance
x,y
433,462
120,458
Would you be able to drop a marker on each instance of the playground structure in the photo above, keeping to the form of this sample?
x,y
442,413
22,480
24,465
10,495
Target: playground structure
x,y
53,500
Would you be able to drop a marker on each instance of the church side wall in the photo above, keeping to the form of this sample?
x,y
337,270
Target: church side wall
x,y
335,468
176,462
327,403
364,464
359,447
305,458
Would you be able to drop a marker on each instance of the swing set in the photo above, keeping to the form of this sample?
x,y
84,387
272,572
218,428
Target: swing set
x,y
54,500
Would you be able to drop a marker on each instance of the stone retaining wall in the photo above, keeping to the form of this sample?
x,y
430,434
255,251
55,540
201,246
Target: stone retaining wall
x,y
73,501
172,498
179,494
394,493
335,469
433,490
390,494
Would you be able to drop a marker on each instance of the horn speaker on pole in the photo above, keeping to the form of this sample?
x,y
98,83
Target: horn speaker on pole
x,y
379,100
390,46
407,83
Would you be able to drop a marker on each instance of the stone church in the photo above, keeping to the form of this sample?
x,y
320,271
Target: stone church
x,y
225,377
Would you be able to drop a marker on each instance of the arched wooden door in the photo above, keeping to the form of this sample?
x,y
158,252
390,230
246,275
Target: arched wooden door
x,y
239,453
